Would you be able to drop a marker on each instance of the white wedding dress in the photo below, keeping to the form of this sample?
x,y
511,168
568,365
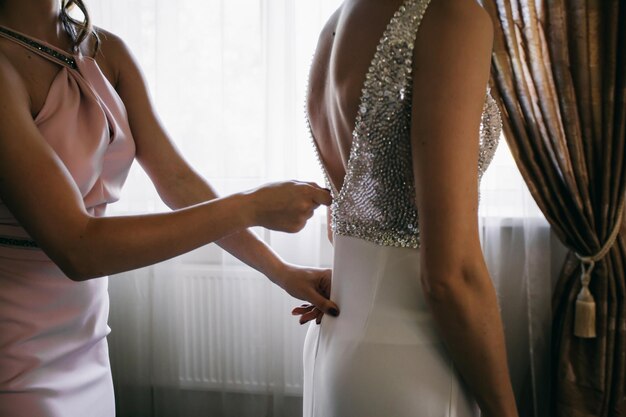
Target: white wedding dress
x,y
382,357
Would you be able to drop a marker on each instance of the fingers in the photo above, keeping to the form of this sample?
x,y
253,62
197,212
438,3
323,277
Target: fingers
x,y
314,197
311,315
324,304
303,309
325,282
316,185
309,198
308,312
287,206
321,196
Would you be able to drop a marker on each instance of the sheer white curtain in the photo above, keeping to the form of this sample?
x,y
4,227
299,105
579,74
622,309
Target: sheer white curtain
x,y
205,335
524,259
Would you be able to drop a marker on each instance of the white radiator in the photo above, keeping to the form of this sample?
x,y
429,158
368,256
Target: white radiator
x,y
206,327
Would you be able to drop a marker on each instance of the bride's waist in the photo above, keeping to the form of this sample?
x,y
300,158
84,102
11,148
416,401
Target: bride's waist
x,y
383,275
379,291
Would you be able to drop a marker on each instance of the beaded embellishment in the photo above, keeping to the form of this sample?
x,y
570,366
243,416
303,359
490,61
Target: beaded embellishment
x,y
377,199
490,129
18,242
52,53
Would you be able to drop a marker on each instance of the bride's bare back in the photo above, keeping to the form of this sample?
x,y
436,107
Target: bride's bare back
x,y
344,53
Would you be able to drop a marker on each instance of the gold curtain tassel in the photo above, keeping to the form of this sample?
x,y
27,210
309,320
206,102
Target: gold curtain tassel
x,y
585,316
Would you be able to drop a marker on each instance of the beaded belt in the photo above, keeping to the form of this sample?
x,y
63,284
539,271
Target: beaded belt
x,y
18,242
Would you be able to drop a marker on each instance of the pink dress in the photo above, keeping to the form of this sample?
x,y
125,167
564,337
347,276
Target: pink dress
x,y
53,350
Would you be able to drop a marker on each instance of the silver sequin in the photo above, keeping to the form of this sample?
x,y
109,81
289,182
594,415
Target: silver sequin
x,y
377,200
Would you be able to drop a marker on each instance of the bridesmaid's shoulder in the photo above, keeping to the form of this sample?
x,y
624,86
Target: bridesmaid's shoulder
x,y
113,54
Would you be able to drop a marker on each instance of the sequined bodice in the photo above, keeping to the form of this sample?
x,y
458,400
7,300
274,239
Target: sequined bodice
x,y
377,199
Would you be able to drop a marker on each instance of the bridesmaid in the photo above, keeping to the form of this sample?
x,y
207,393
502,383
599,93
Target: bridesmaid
x,y
74,114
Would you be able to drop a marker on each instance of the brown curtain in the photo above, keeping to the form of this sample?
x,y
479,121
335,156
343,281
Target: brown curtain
x,y
559,76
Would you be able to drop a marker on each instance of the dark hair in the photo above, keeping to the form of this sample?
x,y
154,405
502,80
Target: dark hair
x,y
78,30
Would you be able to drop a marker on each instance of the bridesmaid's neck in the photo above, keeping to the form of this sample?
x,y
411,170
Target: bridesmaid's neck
x,y
36,18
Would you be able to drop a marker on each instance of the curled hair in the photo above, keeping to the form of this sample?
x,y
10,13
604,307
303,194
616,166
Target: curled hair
x,y
79,30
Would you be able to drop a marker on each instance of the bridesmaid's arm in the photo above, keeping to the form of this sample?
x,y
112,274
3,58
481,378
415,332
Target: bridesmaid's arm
x,y
180,186
451,71
40,192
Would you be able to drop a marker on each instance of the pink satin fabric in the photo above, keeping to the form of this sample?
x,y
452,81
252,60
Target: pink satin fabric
x,y
53,350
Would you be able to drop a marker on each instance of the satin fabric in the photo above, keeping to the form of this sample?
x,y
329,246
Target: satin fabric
x,y
53,351
382,356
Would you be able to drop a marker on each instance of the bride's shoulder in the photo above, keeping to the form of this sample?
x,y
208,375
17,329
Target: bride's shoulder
x,y
459,17
331,25
324,45
455,31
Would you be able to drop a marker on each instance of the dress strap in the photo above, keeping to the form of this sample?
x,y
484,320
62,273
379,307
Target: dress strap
x,y
39,47
18,242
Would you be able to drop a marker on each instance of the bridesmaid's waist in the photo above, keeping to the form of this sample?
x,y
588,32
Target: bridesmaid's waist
x,y
16,243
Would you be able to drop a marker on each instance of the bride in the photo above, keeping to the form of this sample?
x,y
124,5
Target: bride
x,y
398,110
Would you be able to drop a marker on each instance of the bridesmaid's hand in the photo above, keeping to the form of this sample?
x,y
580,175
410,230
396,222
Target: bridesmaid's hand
x,y
286,206
312,285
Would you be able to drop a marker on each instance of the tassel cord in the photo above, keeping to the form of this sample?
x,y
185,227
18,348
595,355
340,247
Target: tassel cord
x,y
585,318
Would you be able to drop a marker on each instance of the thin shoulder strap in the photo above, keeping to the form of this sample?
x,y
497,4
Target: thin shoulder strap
x,y
41,48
